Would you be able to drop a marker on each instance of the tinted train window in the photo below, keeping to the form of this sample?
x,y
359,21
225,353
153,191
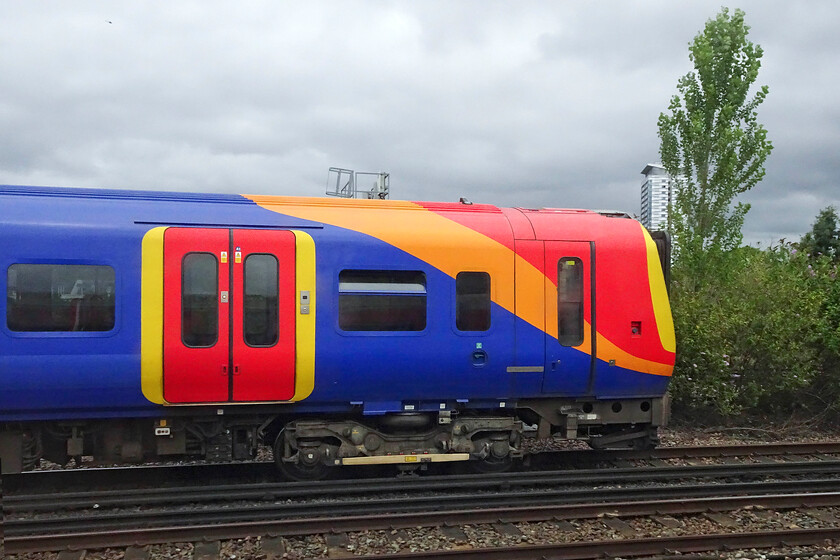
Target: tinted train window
x,y
59,297
381,300
261,308
472,301
570,301
199,300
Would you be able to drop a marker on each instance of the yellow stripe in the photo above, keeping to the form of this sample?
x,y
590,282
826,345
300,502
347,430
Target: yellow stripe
x,y
304,324
659,296
151,313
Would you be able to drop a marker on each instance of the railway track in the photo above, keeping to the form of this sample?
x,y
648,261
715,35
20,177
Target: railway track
x,y
336,508
208,473
552,485
617,513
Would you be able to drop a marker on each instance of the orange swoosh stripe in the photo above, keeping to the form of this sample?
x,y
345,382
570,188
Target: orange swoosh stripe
x,y
429,236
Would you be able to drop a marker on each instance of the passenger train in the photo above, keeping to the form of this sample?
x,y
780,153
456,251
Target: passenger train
x,y
143,325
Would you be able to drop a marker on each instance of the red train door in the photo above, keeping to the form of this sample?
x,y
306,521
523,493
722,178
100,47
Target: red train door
x,y
569,317
263,341
229,329
196,319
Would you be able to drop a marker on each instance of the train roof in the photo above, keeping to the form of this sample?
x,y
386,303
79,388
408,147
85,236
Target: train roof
x,y
275,200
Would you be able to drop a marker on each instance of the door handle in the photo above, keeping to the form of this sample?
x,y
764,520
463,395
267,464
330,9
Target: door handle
x,y
224,370
235,370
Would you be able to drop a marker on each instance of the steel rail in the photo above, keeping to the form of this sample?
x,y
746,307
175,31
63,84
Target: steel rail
x,y
341,523
286,490
422,504
165,474
737,450
697,452
132,475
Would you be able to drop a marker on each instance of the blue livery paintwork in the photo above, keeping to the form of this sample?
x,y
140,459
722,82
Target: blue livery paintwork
x,y
68,375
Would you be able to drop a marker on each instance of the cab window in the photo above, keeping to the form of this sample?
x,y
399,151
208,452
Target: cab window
x,y
570,301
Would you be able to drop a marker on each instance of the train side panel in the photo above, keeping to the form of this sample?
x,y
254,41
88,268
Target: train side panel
x,y
64,373
390,308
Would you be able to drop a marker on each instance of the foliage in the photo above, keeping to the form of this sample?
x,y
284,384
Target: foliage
x,y
824,237
748,337
711,142
758,331
822,274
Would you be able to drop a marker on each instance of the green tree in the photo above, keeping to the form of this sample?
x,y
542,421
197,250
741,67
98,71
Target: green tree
x,y
711,141
824,237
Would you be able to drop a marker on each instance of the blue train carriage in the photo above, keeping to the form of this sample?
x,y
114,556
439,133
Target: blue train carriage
x,y
340,332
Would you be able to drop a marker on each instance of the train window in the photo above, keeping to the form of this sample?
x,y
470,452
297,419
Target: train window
x,y
381,300
570,301
199,300
59,298
261,308
472,301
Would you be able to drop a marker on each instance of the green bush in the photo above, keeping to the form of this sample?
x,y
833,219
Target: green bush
x,y
749,324
823,397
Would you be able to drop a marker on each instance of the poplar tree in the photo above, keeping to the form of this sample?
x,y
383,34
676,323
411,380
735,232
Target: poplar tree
x,y
712,144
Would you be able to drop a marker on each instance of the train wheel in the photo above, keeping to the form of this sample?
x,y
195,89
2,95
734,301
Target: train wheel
x,y
498,457
310,464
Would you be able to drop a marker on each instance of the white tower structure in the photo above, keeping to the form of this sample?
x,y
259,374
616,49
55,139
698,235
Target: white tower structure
x,y
656,196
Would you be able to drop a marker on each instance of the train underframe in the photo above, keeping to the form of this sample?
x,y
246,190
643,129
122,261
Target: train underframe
x,y
307,447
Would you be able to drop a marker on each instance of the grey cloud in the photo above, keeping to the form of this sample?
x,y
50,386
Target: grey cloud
x,y
533,104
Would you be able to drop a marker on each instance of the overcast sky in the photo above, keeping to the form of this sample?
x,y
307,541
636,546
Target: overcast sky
x,y
510,103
